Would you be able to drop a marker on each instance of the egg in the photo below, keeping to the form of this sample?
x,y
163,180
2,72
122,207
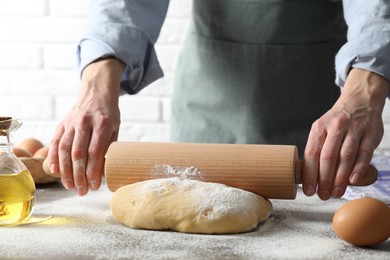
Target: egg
x,y
363,222
19,152
41,153
30,144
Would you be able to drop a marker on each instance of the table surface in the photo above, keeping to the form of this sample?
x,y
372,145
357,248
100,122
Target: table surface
x,y
83,228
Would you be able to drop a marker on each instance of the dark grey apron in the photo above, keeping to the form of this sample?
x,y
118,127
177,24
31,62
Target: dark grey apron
x,y
256,71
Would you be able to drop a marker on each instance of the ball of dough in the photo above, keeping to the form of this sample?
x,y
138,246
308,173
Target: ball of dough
x,y
189,206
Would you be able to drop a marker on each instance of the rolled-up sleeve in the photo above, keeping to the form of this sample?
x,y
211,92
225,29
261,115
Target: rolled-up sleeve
x,y
368,45
127,30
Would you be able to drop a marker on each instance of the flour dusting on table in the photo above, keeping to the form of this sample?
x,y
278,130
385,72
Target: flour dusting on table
x,y
83,228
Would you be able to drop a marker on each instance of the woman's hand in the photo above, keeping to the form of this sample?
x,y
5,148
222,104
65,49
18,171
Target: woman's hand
x,y
76,152
341,143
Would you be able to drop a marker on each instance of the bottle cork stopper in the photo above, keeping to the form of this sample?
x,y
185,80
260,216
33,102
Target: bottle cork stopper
x,y
5,124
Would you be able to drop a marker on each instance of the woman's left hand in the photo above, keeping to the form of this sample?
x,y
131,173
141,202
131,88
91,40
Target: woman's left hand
x,y
341,143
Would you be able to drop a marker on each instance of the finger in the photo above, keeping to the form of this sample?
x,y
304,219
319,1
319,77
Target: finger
x,y
364,157
97,149
312,153
65,159
52,156
348,154
328,164
79,159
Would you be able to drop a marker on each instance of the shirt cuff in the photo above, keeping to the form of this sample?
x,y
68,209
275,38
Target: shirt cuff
x,y
368,51
129,44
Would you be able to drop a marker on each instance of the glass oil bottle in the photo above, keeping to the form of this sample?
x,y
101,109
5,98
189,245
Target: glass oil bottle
x,y
17,187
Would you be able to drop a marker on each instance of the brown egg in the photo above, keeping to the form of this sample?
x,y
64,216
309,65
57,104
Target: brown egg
x,y
363,222
19,152
30,144
41,153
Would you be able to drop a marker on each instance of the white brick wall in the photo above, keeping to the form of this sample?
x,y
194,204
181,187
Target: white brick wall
x,y
38,78
22,8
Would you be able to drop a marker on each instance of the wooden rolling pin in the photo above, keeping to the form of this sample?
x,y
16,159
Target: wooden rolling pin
x,y
272,171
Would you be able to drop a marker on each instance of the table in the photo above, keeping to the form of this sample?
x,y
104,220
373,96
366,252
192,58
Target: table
x,y
83,228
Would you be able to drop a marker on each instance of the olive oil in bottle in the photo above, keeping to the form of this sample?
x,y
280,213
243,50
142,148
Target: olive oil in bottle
x,y
17,187
16,197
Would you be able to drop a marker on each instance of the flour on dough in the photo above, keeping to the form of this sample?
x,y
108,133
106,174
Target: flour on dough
x,y
189,206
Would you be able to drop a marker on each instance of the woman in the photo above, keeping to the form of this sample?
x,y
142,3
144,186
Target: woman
x,y
250,72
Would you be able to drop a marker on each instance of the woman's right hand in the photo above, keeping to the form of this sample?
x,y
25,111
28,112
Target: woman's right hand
x,y
77,150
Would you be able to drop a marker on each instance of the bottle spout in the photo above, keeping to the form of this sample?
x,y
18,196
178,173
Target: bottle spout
x,y
9,125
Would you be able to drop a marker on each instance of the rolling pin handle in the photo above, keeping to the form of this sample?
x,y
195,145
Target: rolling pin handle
x,y
46,168
298,171
368,179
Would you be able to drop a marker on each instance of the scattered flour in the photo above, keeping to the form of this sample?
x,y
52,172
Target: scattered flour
x,y
166,170
83,228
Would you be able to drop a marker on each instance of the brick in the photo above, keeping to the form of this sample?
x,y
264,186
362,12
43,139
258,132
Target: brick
x,y
144,132
20,56
63,105
68,7
23,7
39,82
167,56
180,8
46,29
27,107
60,56
42,130
162,87
166,110
173,31
136,108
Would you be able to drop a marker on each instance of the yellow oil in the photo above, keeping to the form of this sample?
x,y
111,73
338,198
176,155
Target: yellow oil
x,y
16,197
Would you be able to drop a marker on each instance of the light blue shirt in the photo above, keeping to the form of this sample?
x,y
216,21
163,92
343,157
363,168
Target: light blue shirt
x,y
368,45
128,30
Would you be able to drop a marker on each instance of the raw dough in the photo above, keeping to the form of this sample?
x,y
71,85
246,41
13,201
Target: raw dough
x,y
189,206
